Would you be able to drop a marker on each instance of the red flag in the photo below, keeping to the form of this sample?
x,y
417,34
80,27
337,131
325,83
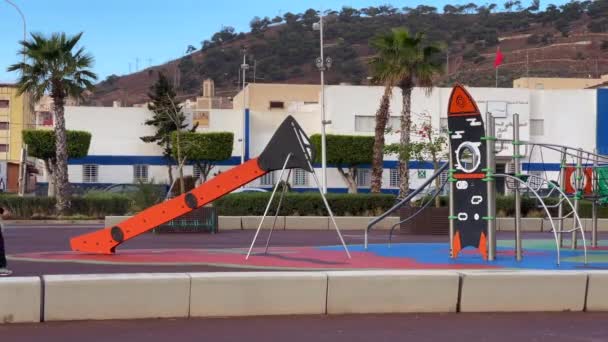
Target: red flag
x,y
499,58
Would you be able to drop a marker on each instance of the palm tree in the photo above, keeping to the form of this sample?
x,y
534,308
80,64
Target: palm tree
x,y
52,66
404,61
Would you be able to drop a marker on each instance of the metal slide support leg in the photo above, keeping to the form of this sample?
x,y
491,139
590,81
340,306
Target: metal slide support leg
x,y
579,193
594,207
276,214
560,208
257,232
517,164
331,214
491,186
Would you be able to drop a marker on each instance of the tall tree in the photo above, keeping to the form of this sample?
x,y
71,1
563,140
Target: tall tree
x,y
167,118
54,65
41,145
405,61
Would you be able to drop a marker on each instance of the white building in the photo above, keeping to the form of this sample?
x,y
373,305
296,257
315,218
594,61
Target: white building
x,y
117,154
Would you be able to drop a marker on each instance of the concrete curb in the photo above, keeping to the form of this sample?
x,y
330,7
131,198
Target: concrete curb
x,y
163,295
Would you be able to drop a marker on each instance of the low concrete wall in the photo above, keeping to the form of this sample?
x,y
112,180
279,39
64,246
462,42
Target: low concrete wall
x,y
229,223
252,222
308,222
286,222
134,296
260,293
597,291
20,300
392,291
116,296
513,291
111,221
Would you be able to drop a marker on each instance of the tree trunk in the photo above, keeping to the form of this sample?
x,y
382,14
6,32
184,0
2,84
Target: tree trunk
x,y
378,157
61,151
350,179
406,127
182,187
169,166
49,166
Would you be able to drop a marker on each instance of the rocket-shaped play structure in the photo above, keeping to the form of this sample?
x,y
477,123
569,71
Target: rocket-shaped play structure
x,y
468,173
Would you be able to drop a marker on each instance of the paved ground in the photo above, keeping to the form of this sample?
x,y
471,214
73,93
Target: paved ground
x,y
41,238
540,327
49,238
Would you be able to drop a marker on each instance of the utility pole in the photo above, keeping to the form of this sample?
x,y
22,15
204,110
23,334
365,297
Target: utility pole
x,y
322,65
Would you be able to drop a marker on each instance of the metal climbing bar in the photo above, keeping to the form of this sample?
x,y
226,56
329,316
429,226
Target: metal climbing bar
x,y
404,201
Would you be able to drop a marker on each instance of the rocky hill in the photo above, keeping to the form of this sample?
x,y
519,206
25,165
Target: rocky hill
x,y
566,41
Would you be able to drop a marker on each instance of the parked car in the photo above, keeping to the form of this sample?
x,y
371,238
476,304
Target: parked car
x,y
122,188
245,189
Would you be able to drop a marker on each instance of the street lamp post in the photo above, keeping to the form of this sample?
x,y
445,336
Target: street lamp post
x,y
244,68
323,64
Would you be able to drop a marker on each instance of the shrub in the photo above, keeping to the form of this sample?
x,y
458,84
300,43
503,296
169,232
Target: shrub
x,y
304,204
189,184
147,195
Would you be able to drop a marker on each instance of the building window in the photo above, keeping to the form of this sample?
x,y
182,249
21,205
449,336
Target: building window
x,y
201,118
537,127
394,178
363,177
140,173
394,123
3,147
277,104
4,103
3,125
267,179
300,177
443,124
196,172
364,123
90,173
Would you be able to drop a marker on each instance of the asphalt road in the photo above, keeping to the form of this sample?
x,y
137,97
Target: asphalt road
x,y
539,327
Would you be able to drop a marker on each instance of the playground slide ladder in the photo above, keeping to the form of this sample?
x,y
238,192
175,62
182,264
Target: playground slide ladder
x,y
288,139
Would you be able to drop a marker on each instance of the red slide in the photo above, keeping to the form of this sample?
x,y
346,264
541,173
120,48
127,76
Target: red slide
x,y
289,138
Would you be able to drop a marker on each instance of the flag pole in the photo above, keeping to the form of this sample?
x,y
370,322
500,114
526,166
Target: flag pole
x,y
496,76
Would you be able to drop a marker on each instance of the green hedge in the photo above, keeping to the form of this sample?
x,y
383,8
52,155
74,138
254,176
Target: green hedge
x,y
304,204
97,207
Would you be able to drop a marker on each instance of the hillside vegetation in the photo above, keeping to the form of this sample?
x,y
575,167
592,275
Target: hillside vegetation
x,y
566,41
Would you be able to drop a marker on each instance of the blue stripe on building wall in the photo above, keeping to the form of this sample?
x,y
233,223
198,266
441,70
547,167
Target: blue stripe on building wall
x,y
233,161
247,124
236,160
602,121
